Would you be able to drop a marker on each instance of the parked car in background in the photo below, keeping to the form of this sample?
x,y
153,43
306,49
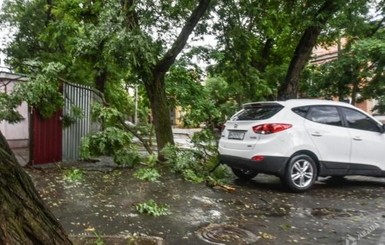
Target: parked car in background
x,y
299,140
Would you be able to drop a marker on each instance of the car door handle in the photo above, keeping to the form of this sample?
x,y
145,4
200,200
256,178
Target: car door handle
x,y
357,138
316,134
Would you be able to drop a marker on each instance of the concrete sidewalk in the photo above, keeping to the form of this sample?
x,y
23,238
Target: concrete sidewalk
x,y
22,155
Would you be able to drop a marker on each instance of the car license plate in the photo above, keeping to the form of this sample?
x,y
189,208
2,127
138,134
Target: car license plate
x,y
236,135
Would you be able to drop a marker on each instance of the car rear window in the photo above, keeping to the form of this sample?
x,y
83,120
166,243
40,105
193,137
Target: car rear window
x,y
257,112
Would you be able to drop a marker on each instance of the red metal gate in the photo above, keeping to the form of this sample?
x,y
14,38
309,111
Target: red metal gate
x,y
46,138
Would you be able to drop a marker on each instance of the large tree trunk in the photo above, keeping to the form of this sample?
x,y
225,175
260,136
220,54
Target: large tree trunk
x,y
155,85
101,80
160,110
101,69
154,80
263,60
24,217
289,88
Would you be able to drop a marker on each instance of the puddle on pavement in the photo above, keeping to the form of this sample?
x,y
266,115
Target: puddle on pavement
x,y
326,211
285,209
317,212
226,234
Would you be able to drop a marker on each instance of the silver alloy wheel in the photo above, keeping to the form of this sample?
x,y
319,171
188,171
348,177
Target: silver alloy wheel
x,y
302,173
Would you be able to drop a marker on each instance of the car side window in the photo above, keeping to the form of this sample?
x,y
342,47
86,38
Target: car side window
x,y
324,114
358,120
301,111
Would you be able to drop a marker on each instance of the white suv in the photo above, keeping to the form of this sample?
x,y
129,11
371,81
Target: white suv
x,y
300,139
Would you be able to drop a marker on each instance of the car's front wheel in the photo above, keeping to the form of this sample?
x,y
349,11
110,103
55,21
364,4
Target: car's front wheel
x,y
301,173
244,174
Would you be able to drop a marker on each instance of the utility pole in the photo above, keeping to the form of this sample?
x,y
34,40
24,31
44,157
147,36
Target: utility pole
x,y
136,104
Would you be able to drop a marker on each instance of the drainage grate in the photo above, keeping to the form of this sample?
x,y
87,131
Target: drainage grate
x,y
226,234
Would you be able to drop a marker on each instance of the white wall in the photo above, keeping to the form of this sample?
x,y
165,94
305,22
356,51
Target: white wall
x,y
17,134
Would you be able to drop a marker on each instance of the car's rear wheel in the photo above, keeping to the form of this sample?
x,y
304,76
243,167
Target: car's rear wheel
x,y
301,173
245,174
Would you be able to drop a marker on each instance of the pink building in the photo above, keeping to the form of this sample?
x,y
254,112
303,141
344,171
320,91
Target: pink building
x,y
17,134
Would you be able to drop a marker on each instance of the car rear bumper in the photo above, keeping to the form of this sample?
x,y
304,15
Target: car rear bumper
x,y
269,165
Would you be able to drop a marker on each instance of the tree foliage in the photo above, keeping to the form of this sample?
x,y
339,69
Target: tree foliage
x,y
206,101
357,72
258,53
43,93
102,42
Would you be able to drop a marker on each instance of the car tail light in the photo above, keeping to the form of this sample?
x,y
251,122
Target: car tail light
x,y
258,158
270,128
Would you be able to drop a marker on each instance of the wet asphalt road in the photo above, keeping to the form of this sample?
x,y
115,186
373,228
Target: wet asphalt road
x,y
102,205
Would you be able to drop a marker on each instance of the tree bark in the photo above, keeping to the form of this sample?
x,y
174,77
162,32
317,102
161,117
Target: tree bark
x,y
156,92
101,79
101,69
25,219
289,88
261,64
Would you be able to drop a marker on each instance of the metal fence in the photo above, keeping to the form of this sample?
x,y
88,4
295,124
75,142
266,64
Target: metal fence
x,y
82,97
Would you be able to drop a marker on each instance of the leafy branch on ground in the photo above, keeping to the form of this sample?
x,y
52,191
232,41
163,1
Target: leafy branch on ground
x,y
196,163
116,138
112,141
152,208
149,174
73,175
99,240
